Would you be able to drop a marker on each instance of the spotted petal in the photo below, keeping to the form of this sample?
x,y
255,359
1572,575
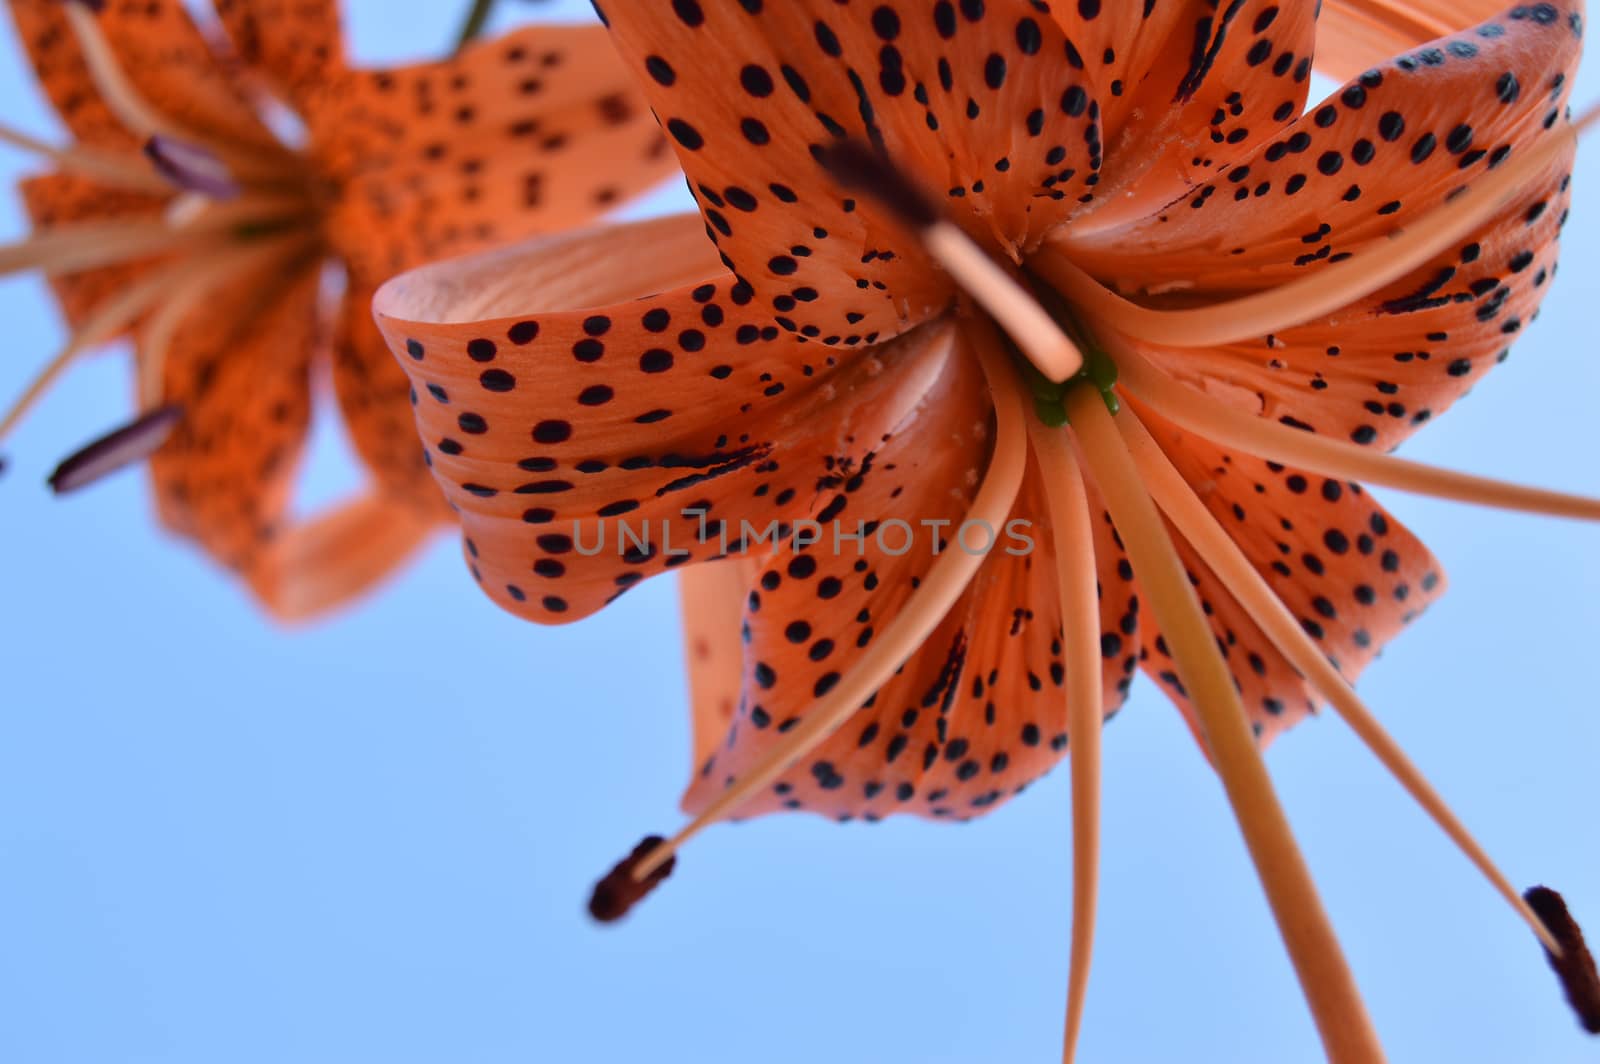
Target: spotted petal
x,y
713,597
1375,157
238,366
1350,572
164,55
373,393
64,199
685,415
976,714
974,100
536,131
1182,88
812,611
293,44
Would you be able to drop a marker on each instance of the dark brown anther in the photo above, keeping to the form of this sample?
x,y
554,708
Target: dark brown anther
x,y
116,450
616,895
191,167
856,166
1575,967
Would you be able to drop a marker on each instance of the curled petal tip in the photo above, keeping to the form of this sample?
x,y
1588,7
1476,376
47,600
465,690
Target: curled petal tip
x,y
616,895
1575,966
191,167
115,451
857,166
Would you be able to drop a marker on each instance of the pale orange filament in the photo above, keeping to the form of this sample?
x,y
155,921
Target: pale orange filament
x,y
87,245
1252,591
1203,415
1341,1018
109,319
110,168
192,222
1073,536
143,120
943,585
1322,291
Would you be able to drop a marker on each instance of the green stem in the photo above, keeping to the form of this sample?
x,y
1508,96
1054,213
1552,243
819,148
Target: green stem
x,y
472,25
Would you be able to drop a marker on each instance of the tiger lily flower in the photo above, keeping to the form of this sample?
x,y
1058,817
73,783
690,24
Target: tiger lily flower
x,y
180,215
1030,348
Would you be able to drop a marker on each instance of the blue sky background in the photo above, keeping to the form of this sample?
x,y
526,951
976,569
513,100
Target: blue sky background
x,y
372,840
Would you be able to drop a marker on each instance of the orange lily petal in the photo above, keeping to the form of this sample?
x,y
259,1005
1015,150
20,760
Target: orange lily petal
x,y
58,66
294,43
1009,720
536,131
1353,574
1185,88
314,566
713,597
747,92
374,402
60,199
813,611
238,365
1389,146
634,410
1378,370
963,726
165,57
1358,34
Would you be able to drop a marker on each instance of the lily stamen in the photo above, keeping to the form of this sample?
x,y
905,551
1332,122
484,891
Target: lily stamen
x,y
1573,963
1275,442
102,326
1330,989
115,451
1219,551
112,168
623,887
1378,263
191,167
87,245
939,590
1073,537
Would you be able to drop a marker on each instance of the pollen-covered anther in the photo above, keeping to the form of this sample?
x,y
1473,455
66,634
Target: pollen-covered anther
x,y
616,895
191,167
1574,965
116,450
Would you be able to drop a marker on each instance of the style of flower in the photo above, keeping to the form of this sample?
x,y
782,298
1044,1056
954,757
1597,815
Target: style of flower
x,y
215,173
1090,268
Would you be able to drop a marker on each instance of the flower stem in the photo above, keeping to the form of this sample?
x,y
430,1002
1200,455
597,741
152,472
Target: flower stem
x,y
472,26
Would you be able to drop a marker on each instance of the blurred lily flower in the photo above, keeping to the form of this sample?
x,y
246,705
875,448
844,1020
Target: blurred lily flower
x,y
232,196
